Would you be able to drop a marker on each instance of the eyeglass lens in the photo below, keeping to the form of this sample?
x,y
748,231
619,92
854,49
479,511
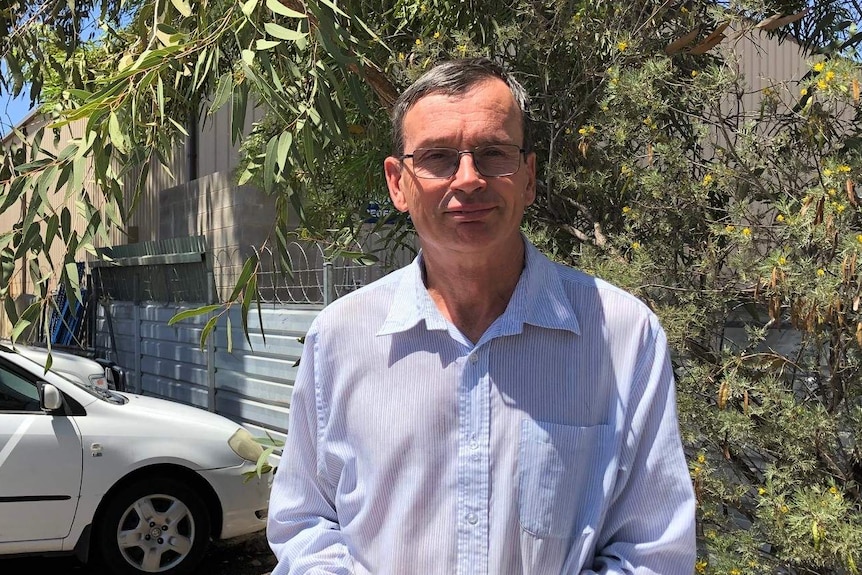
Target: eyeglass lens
x,y
490,161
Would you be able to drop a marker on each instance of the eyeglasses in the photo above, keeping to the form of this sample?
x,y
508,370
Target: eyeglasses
x,y
494,161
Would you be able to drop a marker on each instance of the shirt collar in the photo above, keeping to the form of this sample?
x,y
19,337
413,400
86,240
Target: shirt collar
x,y
539,299
411,303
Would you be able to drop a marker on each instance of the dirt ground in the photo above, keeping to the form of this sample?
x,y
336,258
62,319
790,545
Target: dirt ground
x,y
250,556
244,556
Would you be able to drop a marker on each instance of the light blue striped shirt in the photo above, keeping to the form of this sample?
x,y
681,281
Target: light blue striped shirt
x,y
550,446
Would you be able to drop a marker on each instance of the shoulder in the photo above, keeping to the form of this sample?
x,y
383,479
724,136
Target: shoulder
x,y
366,306
594,299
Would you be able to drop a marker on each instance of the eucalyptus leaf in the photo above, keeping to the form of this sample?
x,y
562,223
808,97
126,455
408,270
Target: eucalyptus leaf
x,y
285,140
277,7
262,44
205,332
222,93
182,7
189,313
118,139
249,7
282,33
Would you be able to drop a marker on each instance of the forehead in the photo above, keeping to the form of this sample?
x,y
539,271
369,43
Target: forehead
x,y
487,112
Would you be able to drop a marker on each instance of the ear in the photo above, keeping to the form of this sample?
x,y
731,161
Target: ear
x,y
392,169
530,190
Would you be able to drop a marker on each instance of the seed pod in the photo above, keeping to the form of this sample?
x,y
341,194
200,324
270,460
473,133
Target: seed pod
x,y
794,316
851,191
698,489
856,89
775,309
723,393
859,333
810,321
816,535
582,147
818,218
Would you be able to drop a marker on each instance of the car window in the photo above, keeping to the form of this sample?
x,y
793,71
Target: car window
x,y
17,393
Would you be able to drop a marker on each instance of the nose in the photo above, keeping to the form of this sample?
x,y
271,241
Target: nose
x,y
467,178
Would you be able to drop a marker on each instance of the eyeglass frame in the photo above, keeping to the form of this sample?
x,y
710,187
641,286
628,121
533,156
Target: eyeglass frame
x,y
521,152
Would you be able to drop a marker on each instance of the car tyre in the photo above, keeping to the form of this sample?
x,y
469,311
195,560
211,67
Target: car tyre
x,y
155,525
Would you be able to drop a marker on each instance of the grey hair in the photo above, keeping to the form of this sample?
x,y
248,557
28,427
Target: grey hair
x,y
454,78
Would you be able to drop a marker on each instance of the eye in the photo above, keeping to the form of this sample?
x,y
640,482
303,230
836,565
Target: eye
x,y
433,154
493,152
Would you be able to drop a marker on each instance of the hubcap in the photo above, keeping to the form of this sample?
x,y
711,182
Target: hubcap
x,y
156,533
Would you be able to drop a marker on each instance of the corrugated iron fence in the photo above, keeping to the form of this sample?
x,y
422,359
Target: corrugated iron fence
x,y
249,380
246,377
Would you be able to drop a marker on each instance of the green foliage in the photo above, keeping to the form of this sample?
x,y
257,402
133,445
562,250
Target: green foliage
x,y
728,204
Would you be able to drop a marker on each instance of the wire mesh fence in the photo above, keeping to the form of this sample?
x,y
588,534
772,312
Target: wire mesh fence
x,y
307,274
189,271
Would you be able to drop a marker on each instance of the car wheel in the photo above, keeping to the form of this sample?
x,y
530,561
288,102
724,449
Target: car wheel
x,y
156,525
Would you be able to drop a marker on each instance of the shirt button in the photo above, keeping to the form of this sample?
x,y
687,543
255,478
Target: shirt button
x,y
472,518
476,457
474,358
474,445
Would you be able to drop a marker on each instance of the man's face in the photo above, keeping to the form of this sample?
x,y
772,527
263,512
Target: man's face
x,y
468,212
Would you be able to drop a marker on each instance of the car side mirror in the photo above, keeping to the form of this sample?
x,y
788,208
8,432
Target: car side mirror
x,y
50,397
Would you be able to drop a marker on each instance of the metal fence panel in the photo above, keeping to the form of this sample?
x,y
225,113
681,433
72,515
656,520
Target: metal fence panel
x,y
246,377
250,381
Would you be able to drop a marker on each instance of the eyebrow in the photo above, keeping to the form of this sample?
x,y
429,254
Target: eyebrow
x,y
444,144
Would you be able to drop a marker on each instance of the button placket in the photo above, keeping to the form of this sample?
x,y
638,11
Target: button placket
x,y
473,463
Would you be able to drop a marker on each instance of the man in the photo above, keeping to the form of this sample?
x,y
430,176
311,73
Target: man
x,y
483,410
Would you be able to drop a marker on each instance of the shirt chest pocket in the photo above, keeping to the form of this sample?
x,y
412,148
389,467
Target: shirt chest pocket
x,y
561,475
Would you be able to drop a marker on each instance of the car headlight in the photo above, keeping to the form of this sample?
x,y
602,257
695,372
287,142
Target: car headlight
x,y
100,382
92,381
244,444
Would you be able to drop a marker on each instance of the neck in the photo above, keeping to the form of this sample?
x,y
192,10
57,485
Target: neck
x,y
473,290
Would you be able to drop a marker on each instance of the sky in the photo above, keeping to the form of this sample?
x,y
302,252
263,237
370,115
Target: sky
x,y
12,111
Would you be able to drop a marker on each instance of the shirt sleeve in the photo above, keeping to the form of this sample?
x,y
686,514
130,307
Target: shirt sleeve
x,y
302,527
650,527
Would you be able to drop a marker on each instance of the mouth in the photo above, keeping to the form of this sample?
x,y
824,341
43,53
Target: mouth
x,y
470,213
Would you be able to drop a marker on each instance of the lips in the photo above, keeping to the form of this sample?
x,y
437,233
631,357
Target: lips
x,y
471,212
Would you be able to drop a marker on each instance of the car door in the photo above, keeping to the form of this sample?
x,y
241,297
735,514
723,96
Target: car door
x,y
40,462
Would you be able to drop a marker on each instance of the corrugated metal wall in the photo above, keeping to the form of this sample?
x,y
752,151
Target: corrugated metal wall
x,y
216,154
251,384
764,62
57,199
216,157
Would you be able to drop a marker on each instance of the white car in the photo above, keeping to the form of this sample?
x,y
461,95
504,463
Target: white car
x,y
138,484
